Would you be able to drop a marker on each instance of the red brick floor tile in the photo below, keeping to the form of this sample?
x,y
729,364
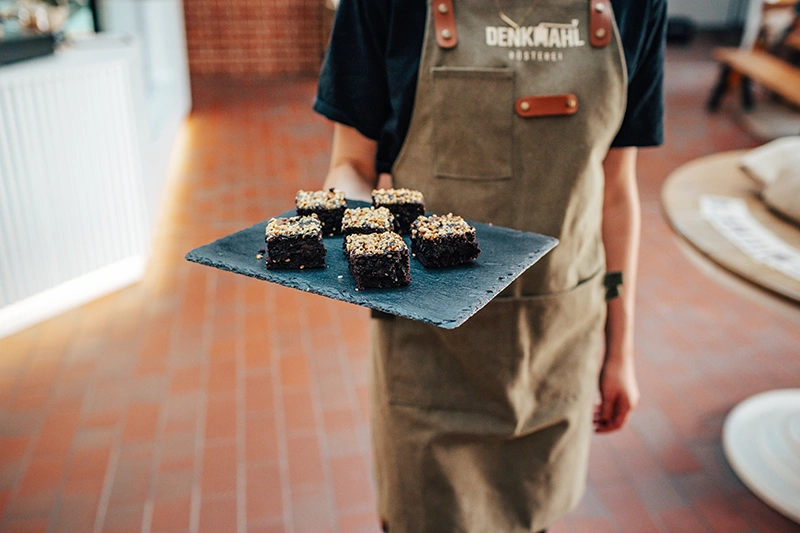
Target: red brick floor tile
x,y
261,438
219,469
627,508
39,484
351,483
141,423
299,412
359,522
222,376
87,470
5,495
101,419
222,349
171,515
218,516
763,517
185,380
94,437
124,517
264,493
295,372
684,520
9,473
338,420
274,528
221,418
13,448
57,433
722,515
76,512
588,525
177,451
181,413
305,462
26,525
174,483
311,511
256,354
131,478
259,395
29,399
558,527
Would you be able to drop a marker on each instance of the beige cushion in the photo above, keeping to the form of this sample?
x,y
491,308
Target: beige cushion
x,y
773,160
783,195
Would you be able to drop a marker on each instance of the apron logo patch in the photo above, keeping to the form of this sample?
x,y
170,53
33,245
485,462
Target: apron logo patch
x,y
546,35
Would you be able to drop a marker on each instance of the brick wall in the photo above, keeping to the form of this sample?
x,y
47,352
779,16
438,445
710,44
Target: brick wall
x,y
255,37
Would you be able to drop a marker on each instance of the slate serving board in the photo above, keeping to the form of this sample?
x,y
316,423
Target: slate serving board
x,y
443,297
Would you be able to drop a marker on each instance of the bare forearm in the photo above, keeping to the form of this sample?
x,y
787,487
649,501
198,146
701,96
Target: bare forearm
x,y
621,235
352,167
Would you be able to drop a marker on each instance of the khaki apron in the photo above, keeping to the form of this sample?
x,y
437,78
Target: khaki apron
x,y
486,428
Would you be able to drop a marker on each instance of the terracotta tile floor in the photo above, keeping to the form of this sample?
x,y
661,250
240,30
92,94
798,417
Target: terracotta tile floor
x,y
201,401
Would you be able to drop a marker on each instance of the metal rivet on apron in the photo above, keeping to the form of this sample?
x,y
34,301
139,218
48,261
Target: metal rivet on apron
x,y
524,106
599,7
600,33
571,103
442,8
447,34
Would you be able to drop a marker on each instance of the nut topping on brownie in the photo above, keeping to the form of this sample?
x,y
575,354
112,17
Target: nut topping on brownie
x,y
293,226
374,243
367,218
405,204
434,226
295,243
378,260
331,199
396,196
443,241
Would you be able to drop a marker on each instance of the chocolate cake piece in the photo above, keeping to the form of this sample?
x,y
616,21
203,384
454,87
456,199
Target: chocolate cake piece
x,y
295,243
328,205
406,205
367,220
378,260
443,240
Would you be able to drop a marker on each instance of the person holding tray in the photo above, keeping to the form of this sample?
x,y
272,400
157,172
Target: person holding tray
x,y
519,113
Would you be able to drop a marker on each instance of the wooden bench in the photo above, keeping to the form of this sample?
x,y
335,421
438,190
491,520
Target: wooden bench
x,y
755,66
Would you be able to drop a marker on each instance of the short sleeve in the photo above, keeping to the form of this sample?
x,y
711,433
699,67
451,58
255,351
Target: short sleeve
x,y
644,41
352,88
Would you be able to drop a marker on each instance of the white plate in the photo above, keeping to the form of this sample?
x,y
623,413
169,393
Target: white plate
x,y
761,439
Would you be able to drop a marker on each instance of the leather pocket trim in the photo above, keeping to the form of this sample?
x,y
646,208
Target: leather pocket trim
x,y
546,106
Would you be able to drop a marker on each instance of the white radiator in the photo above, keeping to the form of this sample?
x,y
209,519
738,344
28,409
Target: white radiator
x,y
73,219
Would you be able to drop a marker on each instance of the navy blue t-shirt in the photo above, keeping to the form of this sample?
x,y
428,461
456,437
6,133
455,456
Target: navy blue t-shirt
x,y
369,76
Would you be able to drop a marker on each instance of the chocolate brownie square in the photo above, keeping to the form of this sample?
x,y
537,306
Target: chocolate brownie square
x,y
328,205
378,260
367,220
406,205
295,243
443,240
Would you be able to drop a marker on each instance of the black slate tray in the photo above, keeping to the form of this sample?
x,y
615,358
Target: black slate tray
x,y
442,297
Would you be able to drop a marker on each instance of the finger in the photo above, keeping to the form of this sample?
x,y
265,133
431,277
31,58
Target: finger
x,y
603,418
607,408
620,416
622,413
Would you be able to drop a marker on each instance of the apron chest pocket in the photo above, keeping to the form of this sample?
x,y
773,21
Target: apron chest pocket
x,y
472,123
